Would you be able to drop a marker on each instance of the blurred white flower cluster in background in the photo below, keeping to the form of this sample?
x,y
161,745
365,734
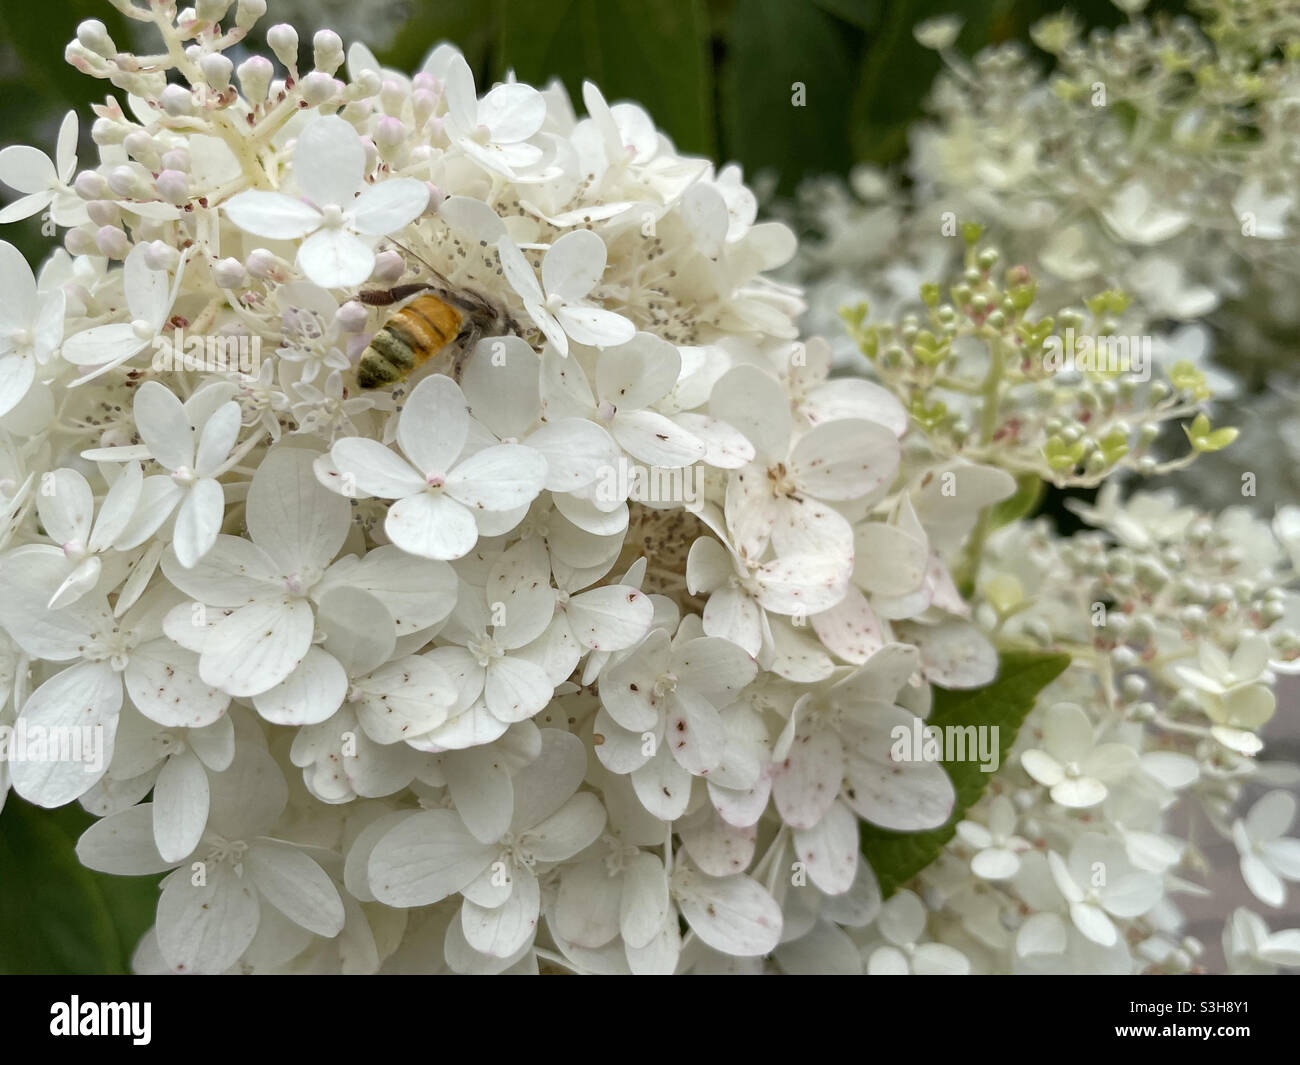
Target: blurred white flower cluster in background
x,y
586,646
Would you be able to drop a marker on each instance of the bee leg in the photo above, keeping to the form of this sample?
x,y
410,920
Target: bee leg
x,y
382,297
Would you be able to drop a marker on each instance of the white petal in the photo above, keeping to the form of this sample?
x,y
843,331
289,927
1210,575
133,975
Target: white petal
x,y
335,258
498,478
257,646
434,425
80,705
375,469
426,858
310,694
732,914
272,214
205,929
296,886
329,160
164,425
429,526
163,682
389,205
574,264
198,521
180,805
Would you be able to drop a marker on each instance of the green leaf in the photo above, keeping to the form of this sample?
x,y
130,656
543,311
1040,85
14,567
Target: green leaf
x,y
860,13
787,82
897,857
56,916
655,54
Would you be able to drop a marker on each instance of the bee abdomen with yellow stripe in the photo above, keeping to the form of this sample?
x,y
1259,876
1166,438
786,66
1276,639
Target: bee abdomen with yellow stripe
x,y
411,337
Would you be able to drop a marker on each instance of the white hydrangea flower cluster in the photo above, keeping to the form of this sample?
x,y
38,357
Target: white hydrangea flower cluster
x,y
1142,748
561,651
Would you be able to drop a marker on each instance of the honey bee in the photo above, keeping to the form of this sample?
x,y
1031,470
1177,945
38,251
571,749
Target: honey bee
x,y
441,318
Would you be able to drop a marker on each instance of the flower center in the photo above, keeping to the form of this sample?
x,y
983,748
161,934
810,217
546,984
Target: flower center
x,y
665,684
484,649
142,328
331,216
184,476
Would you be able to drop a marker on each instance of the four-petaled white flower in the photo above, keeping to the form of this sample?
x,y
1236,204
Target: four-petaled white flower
x,y
559,304
1071,763
31,326
1267,858
440,487
329,164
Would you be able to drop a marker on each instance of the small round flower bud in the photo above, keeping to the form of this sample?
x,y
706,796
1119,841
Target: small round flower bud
x,y
265,266
211,11
112,242
392,96
80,242
389,135
173,186
248,12
1146,465
159,255
318,88
140,147
216,71
389,266
327,51
1143,712
104,212
1132,686
177,100
283,40
177,159
352,316
229,273
1123,657
255,75
93,34
126,183
91,185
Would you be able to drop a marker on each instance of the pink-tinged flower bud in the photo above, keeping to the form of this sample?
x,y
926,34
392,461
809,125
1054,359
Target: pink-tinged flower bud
x,y
248,12
425,82
93,34
80,242
327,51
318,88
211,11
177,100
283,40
216,71
127,184
229,273
90,185
265,266
104,212
389,135
159,255
140,147
255,76
436,196
392,95
112,242
425,103
177,159
421,153
173,186
389,266
352,317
